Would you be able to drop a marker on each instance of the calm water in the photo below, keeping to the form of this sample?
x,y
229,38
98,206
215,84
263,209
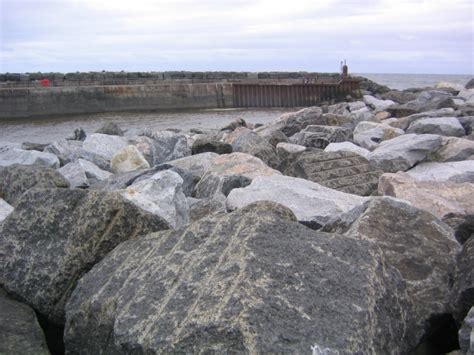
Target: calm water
x,y
49,129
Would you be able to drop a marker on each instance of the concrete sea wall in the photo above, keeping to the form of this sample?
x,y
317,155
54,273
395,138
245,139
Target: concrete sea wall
x,y
34,101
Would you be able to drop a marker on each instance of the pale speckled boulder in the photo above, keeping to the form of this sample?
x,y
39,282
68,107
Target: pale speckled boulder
x,y
421,247
404,122
285,149
377,104
128,159
92,171
253,144
168,146
5,209
368,135
75,174
252,281
444,126
104,145
403,152
439,198
54,236
456,171
11,156
312,204
162,195
20,332
347,147
197,164
454,149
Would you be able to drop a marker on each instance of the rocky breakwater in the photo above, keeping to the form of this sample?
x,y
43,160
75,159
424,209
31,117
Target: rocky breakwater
x,y
339,229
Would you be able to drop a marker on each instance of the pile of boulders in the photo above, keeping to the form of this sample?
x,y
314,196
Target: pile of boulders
x,y
333,230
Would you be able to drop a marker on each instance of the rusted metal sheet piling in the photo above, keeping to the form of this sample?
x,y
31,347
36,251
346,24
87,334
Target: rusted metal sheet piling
x,y
290,95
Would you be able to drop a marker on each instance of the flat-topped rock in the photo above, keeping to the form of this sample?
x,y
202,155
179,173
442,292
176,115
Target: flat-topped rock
x,y
312,204
347,147
11,156
377,104
368,135
343,171
321,136
54,236
405,122
252,281
456,171
403,152
444,126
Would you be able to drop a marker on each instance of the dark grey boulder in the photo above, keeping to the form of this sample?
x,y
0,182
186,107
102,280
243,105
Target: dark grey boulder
x,y
211,184
401,97
463,295
203,145
54,236
466,334
421,247
252,281
253,144
276,137
201,208
34,146
343,171
462,224
20,332
111,128
321,136
467,122
469,84
17,179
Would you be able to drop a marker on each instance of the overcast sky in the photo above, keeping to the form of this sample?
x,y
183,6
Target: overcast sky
x,y
386,36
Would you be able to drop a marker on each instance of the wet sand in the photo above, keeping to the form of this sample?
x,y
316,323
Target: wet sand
x,y
49,129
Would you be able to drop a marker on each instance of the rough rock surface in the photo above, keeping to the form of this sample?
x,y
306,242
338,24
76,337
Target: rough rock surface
x,y
466,334
54,236
197,164
403,152
20,332
321,136
277,137
162,195
104,145
251,143
33,146
201,208
377,104
347,147
17,179
312,204
405,122
343,171
463,298
212,184
169,146
110,128
417,244
444,126
454,149
75,174
128,159
11,156
456,171
204,145
285,149
291,123
369,134
5,209
252,281
93,171
63,149
439,198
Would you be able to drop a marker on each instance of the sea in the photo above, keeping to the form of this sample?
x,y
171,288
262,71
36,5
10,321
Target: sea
x,y
50,129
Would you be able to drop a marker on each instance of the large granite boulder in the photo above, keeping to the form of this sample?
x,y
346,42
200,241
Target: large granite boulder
x,y
400,97
104,145
456,171
439,198
201,208
252,281
444,126
369,134
212,184
403,152
75,174
347,147
405,122
144,145
162,195
92,171
363,114
321,136
425,101
11,156
17,179
5,209
285,149
54,236
421,247
197,164
277,137
454,149
343,171
377,104
312,204
20,332
463,290
253,144
128,159
169,146
291,123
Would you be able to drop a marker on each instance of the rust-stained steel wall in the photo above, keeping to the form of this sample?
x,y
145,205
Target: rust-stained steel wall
x,y
290,95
